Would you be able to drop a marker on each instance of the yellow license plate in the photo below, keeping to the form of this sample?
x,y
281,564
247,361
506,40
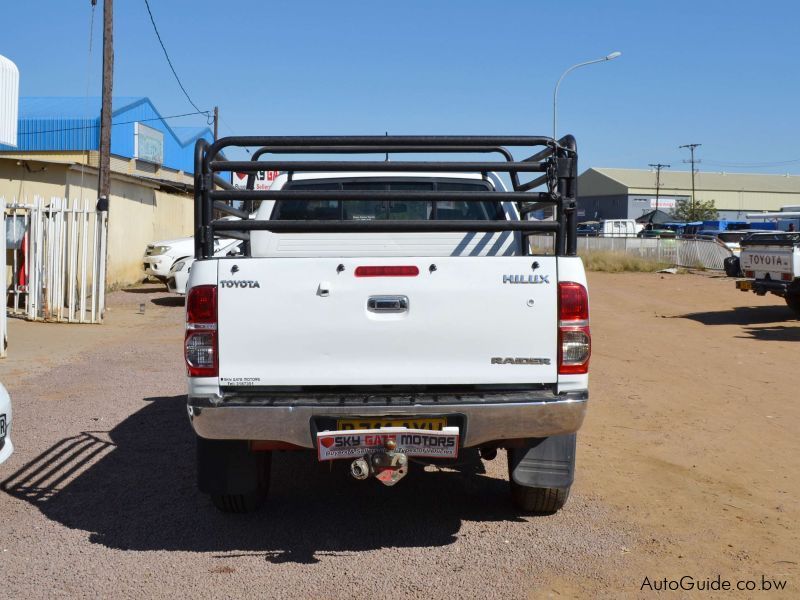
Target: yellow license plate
x,y
432,423
744,285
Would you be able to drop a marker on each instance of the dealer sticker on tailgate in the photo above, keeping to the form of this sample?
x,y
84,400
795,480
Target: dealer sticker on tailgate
x,y
333,445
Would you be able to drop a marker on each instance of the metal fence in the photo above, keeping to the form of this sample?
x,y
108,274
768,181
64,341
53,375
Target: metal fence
x,y
703,253
55,261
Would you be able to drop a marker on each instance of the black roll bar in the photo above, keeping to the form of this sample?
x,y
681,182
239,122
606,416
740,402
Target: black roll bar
x,y
556,160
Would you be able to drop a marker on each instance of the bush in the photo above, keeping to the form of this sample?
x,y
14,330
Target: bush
x,y
617,262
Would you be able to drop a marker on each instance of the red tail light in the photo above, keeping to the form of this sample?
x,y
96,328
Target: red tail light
x,y
387,271
574,337
200,344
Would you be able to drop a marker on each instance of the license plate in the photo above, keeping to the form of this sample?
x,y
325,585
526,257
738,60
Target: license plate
x,y
744,285
430,423
350,444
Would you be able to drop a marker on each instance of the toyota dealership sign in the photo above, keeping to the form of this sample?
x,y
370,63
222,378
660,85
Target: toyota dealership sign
x,y
263,180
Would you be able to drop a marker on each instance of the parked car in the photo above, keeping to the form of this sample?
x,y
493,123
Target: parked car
x,y
656,233
179,273
619,228
6,447
159,257
589,228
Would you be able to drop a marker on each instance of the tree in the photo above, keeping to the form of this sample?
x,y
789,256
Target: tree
x,y
703,210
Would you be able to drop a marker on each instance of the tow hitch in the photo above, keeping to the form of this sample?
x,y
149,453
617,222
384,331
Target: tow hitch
x,y
387,465
384,453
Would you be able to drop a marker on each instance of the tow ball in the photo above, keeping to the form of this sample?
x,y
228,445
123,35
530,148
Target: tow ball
x,y
387,465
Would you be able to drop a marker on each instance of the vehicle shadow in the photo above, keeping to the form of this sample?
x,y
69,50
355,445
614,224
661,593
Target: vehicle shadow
x,y
172,301
778,333
146,288
133,488
742,315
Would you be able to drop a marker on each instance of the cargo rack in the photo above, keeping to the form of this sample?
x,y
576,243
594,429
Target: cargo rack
x,y
556,160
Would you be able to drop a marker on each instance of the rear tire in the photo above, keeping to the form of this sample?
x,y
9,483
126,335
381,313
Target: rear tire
x,y
793,302
236,478
539,501
239,503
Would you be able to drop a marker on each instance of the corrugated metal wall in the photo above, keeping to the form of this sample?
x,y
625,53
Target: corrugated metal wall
x,y
9,99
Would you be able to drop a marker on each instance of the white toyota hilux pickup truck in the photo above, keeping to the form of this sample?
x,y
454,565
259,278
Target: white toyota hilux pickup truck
x,y
770,263
388,313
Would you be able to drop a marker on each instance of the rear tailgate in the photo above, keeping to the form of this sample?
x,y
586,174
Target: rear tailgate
x,y
773,260
312,321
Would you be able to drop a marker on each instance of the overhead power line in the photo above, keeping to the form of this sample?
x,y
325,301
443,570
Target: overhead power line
x,y
97,126
169,60
756,165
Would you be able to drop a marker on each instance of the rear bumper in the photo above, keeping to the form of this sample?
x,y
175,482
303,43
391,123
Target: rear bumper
x,y
544,416
762,286
158,266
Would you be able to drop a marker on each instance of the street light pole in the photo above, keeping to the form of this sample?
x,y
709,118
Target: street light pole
x,y
608,57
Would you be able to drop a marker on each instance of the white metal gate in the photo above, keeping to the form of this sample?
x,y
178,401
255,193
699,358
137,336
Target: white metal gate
x,y
56,254
698,252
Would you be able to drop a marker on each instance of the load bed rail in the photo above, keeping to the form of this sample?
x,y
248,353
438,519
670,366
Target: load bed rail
x,y
554,161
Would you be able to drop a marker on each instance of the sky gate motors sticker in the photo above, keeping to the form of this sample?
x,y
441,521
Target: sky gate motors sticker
x,y
333,445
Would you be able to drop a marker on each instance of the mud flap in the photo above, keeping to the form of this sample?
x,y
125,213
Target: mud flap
x,y
545,463
229,467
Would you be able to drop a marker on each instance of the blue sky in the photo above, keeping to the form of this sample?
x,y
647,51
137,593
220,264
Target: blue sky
x,y
724,74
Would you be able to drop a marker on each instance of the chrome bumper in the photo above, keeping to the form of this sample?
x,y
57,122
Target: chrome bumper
x,y
482,422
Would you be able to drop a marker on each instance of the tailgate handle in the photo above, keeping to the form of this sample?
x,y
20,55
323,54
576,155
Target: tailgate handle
x,y
387,304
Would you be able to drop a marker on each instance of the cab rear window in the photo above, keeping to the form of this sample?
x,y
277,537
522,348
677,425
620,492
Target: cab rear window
x,y
370,210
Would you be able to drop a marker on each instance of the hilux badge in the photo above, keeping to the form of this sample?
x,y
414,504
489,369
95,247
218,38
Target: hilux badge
x,y
526,278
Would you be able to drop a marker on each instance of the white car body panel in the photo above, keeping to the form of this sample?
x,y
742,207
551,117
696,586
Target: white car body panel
x,y
5,415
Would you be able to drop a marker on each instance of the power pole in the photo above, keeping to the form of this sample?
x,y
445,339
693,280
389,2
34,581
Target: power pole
x,y
691,148
658,167
216,122
104,181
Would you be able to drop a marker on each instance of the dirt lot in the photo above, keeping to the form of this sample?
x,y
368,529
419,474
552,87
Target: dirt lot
x,y
687,466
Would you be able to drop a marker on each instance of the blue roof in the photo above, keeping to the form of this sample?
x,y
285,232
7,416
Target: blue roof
x,y
73,124
67,107
189,135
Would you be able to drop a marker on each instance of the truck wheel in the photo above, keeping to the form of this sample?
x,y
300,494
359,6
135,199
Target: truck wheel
x,y
236,478
540,501
793,302
239,503
541,473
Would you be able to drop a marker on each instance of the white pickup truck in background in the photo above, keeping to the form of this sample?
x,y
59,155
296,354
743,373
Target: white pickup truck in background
x,y
385,313
770,263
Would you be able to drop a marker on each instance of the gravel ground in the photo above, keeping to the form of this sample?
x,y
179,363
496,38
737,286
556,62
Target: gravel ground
x,y
100,498
675,475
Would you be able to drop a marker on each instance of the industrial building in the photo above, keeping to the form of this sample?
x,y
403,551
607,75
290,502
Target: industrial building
x,y
630,193
57,155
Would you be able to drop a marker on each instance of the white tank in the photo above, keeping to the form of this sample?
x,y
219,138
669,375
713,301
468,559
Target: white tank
x,y
9,101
